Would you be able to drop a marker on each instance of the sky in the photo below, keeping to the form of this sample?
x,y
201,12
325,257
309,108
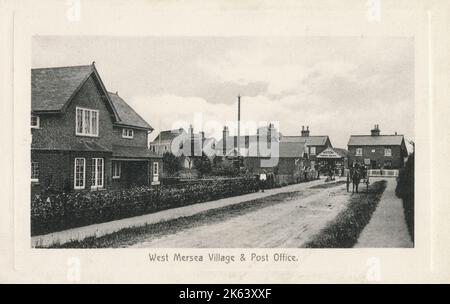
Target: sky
x,y
337,86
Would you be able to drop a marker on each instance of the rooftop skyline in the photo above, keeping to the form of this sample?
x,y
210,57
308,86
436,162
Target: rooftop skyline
x,y
338,86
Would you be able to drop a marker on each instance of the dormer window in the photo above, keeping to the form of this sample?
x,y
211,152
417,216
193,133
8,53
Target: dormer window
x,y
127,133
34,122
86,122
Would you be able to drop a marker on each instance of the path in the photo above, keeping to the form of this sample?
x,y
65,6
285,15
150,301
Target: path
x,y
286,224
387,227
97,230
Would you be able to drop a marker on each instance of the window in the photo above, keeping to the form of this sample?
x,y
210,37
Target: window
x,y
34,122
34,171
80,173
97,173
373,150
117,169
86,122
155,169
387,152
127,133
388,164
359,152
312,150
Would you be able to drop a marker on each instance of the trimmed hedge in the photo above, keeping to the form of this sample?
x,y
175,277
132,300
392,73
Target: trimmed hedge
x,y
50,213
405,191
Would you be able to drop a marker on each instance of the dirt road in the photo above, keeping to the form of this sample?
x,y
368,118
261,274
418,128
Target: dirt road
x,y
287,223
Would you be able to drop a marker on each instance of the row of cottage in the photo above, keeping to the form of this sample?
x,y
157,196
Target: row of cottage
x,y
85,137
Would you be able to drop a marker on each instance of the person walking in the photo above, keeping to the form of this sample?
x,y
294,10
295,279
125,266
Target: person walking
x,y
262,179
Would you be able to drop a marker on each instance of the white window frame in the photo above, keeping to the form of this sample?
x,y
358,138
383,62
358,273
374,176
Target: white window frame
x,y
360,150
155,169
83,122
126,133
312,150
386,150
34,179
75,173
37,122
116,169
95,173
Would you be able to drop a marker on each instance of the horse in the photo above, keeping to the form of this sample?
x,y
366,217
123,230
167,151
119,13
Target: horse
x,y
355,176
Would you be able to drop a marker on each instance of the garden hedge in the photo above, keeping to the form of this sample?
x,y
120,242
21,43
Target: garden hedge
x,y
57,212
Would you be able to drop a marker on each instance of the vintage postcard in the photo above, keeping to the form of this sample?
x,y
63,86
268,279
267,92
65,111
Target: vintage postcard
x,y
223,141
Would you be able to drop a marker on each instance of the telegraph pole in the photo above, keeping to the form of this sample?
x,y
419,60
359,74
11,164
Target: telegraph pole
x,y
239,133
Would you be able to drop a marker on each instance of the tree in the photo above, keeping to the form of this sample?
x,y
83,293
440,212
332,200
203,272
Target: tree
x,y
171,163
202,164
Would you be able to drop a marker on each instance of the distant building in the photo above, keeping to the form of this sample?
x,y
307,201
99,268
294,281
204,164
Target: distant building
x,y
163,142
232,145
186,145
316,144
291,162
377,151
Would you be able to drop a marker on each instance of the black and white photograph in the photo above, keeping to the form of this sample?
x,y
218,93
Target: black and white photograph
x,y
222,142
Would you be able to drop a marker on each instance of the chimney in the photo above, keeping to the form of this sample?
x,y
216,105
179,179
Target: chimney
x,y
375,131
269,135
225,134
305,133
202,137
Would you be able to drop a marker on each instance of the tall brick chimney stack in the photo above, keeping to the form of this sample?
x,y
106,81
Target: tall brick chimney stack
x,y
305,133
375,131
225,135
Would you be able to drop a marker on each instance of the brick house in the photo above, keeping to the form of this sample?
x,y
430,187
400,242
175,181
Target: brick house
x,y
377,151
185,145
316,144
84,137
291,162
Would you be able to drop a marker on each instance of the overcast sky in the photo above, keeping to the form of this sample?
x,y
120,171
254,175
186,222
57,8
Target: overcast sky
x,y
336,85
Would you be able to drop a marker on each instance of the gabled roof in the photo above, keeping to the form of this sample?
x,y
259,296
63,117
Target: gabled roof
x,y
319,140
52,89
330,153
341,152
168,135
128,116
378,140
292,149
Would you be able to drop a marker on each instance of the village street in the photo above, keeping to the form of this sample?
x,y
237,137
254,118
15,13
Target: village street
x,y
288,222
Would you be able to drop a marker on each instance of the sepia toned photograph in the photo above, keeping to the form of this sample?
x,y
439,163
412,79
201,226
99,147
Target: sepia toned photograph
x,y
222,142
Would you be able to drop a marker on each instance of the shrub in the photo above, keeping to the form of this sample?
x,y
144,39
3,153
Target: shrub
x,y
405,191
55,212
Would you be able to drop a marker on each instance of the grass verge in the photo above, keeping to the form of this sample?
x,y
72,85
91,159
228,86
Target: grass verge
x,y
343,232
129,236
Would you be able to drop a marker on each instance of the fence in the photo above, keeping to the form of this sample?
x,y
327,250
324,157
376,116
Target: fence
x,y
382,173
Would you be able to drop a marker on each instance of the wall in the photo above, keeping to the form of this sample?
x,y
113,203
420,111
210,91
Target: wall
x,y
56,169
139,137
378,155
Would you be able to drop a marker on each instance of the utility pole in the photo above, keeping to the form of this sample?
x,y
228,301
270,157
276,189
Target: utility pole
x,y
239,132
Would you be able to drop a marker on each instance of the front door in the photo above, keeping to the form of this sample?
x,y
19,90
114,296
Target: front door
x,y
154,173
97,173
